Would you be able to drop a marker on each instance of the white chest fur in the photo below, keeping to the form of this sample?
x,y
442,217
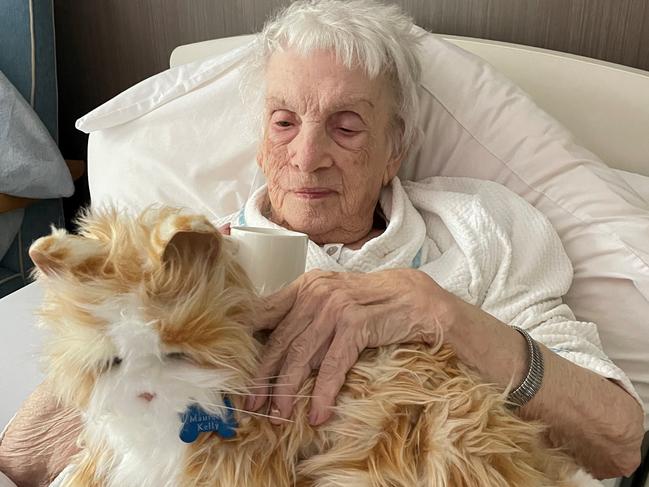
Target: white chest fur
x,y
145,453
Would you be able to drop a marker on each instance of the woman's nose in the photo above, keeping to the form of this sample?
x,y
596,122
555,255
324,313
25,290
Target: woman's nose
x,y
309,149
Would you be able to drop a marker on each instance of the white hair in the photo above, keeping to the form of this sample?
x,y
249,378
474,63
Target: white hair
x,y
378,38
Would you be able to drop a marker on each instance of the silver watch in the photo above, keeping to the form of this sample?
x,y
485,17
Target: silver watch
x,y
532,383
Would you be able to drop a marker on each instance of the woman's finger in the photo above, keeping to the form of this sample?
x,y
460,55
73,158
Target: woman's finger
x,y
342,355
304,354
283,394
274,352
271,361
224,229
275,307
288,315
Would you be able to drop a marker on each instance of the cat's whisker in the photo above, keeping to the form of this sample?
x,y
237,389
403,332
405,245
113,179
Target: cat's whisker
x,y
260,386
269,395
226,366
249,412
271,377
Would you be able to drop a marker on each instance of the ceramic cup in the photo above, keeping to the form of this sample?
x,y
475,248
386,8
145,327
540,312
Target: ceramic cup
x,y
271,257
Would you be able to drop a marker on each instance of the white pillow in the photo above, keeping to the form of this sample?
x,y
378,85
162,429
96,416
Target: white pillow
x,y
179,141
179,137
477,123
638,182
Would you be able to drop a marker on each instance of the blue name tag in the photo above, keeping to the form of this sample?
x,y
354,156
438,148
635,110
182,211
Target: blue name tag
x,y
196,421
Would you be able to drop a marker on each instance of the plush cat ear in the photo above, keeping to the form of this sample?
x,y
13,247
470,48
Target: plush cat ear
x,y
61,252
185,239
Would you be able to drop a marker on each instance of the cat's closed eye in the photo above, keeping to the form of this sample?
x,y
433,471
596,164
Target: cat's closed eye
x,y
111,363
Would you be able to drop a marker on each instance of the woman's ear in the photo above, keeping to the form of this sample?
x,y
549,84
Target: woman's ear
x,y
260,159
391,170
61,253
396,152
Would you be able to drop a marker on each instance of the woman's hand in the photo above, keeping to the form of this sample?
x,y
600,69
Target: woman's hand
x,y
40,440
324,320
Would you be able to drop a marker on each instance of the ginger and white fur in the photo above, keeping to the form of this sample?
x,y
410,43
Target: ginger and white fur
x,y
163,294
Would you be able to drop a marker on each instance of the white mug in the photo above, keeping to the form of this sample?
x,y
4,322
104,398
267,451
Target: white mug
x,y
271,257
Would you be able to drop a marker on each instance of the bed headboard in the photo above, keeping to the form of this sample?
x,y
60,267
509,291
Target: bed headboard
x,y
605,105
102,48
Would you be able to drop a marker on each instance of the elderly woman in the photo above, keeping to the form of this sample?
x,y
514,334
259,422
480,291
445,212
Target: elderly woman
x,y
460,260
453,260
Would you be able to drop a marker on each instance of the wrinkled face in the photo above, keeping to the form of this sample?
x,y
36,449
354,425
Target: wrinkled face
x,y
146,317
327,148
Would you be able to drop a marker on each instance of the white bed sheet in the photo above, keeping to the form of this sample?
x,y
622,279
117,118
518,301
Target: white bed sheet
x,y
638,182
20,341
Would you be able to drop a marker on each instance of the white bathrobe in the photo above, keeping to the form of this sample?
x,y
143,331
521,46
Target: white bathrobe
x,y
484,244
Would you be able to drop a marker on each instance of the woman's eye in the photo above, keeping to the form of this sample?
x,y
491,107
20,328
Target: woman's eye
x,y
282,119
346,125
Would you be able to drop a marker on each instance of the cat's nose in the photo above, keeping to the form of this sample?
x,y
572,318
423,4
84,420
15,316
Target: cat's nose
x,y
147,396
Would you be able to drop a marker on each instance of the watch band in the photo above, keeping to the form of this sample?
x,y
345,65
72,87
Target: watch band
x,y
534,377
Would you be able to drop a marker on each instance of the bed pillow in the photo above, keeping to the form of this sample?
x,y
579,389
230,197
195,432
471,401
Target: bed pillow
x,y
31,164
476,123
638,182
187,148
179,137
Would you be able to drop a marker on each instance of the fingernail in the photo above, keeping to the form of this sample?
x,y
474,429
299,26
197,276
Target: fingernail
x,y
275,413
313,417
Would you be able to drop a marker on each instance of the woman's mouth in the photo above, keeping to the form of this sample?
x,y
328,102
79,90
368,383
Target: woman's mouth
x,y
313,193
